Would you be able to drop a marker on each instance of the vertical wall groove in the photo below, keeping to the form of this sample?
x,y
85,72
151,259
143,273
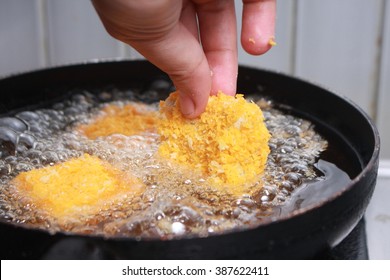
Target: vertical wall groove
x,y
294,32
43,32
122,50
379,61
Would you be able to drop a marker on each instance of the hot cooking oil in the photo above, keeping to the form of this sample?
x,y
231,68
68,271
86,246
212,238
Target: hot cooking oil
x,y
175,201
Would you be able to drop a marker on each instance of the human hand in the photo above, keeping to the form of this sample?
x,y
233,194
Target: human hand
x,y
199,61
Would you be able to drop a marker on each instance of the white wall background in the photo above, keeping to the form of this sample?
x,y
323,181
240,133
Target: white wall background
x,y
343,45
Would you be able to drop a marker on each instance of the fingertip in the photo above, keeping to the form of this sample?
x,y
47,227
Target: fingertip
x,y
257,46
194,88
258,26
189,107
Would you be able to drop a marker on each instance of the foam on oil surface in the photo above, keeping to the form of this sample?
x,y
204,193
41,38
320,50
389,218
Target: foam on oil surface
x,y
176,201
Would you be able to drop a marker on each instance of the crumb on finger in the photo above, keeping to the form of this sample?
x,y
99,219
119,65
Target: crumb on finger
x,y
271,41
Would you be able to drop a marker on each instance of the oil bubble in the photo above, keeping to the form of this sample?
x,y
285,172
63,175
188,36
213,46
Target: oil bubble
x,y
13,123
174,201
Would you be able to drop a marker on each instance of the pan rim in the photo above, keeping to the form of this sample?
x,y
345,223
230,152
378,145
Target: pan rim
x,y
296,213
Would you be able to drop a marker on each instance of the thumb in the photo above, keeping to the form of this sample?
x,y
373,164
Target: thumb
x,y
155,29
183,59
180,55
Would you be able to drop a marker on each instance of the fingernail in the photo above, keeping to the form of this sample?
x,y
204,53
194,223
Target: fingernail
x,y
187,105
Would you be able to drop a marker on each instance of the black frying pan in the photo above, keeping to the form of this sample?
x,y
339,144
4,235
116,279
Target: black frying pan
x,y
296,235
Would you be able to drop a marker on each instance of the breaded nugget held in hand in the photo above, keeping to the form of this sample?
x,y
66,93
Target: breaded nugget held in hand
x,y
228,143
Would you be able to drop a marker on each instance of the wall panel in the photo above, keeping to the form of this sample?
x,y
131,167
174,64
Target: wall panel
x,y
75,33
338,46
20,36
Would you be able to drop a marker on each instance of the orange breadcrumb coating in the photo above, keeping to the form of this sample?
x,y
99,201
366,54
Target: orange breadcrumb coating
x,y
271,41
126,120
228,142
76,187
